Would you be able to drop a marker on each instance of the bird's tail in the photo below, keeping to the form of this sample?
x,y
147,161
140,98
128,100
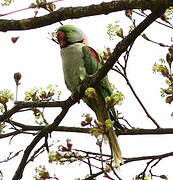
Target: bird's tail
x,y
115,148
110,136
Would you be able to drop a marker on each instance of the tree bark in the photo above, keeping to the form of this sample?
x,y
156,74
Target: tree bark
x,y
79,12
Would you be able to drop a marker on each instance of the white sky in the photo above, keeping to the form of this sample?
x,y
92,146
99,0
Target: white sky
x,y
38,59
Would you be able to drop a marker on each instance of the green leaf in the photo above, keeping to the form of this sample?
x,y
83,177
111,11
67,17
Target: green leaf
x,y
109,123
5,96
6,2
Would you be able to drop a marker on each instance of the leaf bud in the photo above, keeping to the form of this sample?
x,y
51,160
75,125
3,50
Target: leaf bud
x,y
169,99
17,77
119,32
128,13
91,93
14,39
164,71
169,58
171,49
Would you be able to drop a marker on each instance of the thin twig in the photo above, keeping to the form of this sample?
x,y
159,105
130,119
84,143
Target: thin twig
x,y
24,9
141,104
11,156
89,164
163,24
94,175
150,171
144,171
124,75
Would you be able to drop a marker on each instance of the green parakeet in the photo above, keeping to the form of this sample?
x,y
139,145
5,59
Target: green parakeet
x,y
80,61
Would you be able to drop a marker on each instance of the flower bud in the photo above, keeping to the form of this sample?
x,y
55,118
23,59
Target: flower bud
x,y
169,58
128,13
169,99
14,39
171,49
17,77
91,93
165,72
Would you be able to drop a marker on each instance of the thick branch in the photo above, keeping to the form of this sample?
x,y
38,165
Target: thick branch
x,y
134,131
14,133
21,105
79,12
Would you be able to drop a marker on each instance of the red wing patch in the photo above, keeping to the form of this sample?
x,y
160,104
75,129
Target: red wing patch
x,y
94,54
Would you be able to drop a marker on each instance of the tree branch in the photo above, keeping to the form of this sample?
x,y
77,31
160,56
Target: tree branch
x,y
14,133
94,175
141,103
22,105
154,157
134,131
133,159
47,129
11,156
79,12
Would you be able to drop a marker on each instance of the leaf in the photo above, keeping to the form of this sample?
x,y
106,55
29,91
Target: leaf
x,y
6,2
109,123
5,96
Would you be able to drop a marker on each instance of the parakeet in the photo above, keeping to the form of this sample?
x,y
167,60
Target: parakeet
x,y
80,61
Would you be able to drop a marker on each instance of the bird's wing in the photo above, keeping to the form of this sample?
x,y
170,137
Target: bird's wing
x,y
92,60
93,63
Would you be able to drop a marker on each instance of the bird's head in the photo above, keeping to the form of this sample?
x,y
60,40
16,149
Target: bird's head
x,y
69,34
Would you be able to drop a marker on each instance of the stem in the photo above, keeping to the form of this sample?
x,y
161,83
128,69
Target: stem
x,y
17,88
23,9
140,102
163,24
124,75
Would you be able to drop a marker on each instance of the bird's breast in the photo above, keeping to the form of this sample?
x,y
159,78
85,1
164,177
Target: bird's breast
x,y
73,65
